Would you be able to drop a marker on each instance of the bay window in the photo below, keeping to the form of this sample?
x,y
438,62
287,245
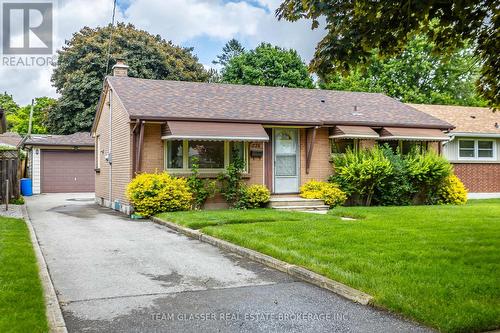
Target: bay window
x,y
211,155
472,149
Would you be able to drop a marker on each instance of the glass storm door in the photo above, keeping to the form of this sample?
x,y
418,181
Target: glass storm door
x,y
286,160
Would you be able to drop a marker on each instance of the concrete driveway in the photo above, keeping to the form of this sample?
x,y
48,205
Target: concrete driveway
x,y
113,274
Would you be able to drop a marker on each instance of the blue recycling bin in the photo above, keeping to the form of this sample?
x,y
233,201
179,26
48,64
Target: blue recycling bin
x,y
26,187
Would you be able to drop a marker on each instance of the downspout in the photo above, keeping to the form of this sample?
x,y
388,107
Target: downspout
x,y
110,145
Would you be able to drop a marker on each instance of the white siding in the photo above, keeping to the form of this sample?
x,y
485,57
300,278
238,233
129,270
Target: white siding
x,y
450,150
36,155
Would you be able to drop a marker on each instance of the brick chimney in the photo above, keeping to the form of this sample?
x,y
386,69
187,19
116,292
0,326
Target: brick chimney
x,y
120,68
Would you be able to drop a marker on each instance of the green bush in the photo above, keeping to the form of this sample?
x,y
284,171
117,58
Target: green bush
x,y
254,196
384,177
451,191
426,172
397,189
201,189
360,173
328,192
153,193
17,201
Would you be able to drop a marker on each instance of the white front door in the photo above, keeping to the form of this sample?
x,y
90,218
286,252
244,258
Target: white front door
x,y
286,160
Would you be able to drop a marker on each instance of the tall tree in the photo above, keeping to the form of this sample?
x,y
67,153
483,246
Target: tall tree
x,y
19,121
416,76
8,104
231,49
81,67
268,65
356,28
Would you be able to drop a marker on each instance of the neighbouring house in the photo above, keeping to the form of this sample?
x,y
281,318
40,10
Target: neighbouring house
x,y
60,163
286,136
474,146
10,140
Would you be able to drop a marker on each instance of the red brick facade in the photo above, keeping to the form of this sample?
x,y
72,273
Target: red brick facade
x,y
479,177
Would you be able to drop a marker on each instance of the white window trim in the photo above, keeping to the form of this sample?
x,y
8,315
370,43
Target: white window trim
x,y
476,150
185,158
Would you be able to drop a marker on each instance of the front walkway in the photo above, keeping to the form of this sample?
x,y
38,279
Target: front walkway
x,y
113,274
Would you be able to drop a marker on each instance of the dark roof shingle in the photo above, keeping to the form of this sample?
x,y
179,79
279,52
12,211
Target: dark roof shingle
x,y
178,100
76,139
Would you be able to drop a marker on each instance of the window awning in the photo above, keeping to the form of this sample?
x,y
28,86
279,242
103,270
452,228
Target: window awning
x,y
412,134
193,130
353,132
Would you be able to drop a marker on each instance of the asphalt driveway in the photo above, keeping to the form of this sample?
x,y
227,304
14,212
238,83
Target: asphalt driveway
x,y
114,274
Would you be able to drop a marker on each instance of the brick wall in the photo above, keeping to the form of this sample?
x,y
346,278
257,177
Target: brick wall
x,y
479,177
256,166
366,144
320,168
152,149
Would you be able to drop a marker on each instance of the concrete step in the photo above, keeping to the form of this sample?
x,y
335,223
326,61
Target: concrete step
x,y
295,201
303,208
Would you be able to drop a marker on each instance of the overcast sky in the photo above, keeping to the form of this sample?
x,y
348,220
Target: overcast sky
x,y
203,24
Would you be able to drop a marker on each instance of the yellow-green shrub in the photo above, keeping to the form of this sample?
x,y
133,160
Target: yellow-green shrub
x,y
452,191
153,193
328,192
254,196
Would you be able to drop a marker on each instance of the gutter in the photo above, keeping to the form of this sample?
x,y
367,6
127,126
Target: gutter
x,y
474,135
271,122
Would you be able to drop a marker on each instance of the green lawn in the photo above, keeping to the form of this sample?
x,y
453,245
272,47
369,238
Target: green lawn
x,y
437,264
22,307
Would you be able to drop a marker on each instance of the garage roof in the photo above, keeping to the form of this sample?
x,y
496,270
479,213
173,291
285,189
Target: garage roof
x,y
79,139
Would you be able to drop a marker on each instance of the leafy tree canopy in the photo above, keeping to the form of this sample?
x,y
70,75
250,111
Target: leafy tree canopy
x,y
19,121
268,65
81,67
356,28
232,49
416,76
8,104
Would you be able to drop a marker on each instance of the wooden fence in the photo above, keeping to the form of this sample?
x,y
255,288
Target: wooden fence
x,y
9,173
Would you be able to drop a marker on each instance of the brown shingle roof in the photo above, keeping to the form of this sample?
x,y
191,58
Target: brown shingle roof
x,y
176,100
466,119
77,139
10,139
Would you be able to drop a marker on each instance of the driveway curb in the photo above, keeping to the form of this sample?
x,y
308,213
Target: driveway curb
x,y
53,310
292,270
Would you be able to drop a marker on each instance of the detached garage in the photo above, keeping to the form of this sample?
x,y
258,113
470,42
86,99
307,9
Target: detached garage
x,y
61,163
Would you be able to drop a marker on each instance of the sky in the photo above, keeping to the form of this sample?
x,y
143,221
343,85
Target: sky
x,y
205,25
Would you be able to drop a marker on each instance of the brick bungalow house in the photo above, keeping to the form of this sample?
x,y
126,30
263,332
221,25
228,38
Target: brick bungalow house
x,y
474,146
286,136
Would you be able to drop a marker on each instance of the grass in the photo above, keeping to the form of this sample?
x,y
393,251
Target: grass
x,y
439,265
22,306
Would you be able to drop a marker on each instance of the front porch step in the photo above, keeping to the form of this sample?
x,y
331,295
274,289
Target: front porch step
x,y
277,202
304,208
